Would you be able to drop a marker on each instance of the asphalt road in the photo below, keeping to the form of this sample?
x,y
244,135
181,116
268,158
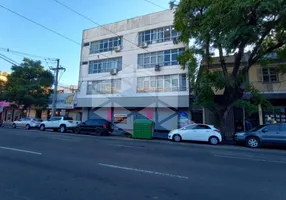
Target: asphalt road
x,y
53,166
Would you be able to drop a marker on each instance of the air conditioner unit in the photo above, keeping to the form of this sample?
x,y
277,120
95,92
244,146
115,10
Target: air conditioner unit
x,y
114,71
157,68
175,41
117,48
144,45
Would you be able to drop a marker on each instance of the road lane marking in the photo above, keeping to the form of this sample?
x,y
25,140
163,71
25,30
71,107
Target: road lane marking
x,y
64,139
143,171
20,150
128,146
251,159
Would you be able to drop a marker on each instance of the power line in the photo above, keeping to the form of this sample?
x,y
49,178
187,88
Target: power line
x,y
89,19
8,59
151,2
25,54
38,24
51,30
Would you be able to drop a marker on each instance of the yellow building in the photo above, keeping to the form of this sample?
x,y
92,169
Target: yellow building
x,y
3,76
268,81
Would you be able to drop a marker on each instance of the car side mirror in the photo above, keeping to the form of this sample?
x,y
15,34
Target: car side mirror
x,y
264,130
183,128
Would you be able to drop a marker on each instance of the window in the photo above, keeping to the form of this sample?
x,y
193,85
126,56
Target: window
x,y
270,75
190,127
283,127
104,86
105,65
272,128
55,119
105,45
166,83
158,35
202,127
162,58
257,128
95,122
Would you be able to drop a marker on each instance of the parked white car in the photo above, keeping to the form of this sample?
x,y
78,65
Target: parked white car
x,y
27,123
59,123
196,132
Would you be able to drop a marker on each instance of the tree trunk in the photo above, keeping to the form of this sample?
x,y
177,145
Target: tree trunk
x,y
227,124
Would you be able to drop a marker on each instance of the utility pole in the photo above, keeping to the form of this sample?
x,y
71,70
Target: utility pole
x,y
57,69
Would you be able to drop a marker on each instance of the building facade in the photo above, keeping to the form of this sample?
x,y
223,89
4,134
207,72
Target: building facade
x,y
65,106
129,70
270,83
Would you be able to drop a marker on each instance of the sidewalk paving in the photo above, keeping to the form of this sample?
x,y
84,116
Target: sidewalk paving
x,y
161,136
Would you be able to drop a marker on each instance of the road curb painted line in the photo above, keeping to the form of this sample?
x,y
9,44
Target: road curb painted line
x,y
143,171
21,150
251,159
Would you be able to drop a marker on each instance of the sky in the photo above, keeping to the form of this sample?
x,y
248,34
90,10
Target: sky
x,y
21,35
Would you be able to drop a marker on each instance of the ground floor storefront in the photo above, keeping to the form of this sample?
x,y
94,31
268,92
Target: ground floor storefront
x,y
243,120
75,113
165,119
168,112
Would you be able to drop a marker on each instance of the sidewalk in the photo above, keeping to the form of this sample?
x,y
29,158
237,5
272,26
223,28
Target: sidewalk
x,y
160,136
156,135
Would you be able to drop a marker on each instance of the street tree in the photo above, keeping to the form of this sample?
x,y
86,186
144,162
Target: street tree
x,y
229,27
29,85
2,86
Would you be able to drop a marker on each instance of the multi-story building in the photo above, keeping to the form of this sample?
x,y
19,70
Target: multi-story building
x,y
62,88
3,76
265,78
129,70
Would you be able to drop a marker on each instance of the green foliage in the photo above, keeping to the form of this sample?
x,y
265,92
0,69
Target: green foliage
x,y
29,84
250,104
2,87
230,26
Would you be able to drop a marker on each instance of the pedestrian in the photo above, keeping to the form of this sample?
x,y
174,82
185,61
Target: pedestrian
x,y
248,125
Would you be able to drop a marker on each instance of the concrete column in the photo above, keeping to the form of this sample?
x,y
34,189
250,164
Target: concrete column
x,y
204,115
260,114
84,114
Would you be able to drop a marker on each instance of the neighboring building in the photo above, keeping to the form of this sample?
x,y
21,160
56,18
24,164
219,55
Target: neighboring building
x,y
65,105
5,106
67,88
3,76
270,83
129,70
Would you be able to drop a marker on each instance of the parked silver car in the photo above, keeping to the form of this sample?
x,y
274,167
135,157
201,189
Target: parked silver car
x,y
272,133
27,123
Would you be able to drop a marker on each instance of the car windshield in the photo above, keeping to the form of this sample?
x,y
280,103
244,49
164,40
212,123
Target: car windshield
x,y
256,128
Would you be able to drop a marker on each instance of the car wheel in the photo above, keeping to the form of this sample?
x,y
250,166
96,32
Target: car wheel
x,y
213,140
253,142
177,138
97,131
27,127
63,128
77,130
42,127
104,132
13,125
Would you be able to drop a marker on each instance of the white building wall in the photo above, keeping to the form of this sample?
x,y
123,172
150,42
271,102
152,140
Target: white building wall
x,y
129,29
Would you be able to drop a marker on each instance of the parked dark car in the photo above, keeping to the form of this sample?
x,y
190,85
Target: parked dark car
x,y
272,133
99,127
